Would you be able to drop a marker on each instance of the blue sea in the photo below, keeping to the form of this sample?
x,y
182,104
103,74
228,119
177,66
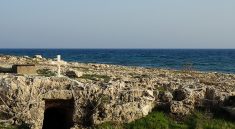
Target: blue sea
x,y
217,60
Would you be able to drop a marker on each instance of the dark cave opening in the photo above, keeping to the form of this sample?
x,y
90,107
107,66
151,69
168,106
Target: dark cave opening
x,y
58,114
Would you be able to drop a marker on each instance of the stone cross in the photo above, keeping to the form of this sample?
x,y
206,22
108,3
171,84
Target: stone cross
x,y
58,64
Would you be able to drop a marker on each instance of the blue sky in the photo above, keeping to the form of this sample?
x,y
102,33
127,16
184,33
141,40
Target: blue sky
x,y
117,24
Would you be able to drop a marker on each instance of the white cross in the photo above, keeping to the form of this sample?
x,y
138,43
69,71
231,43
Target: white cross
x,y
58,64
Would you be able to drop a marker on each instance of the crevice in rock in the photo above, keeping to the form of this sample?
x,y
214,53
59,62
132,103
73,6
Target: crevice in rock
x,y
87,119
179,95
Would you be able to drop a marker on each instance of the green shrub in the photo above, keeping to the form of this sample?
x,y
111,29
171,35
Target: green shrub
x,y
23,126
109,125
7,127
46,72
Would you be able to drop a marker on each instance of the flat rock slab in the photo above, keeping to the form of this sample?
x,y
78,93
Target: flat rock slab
x,y
24,69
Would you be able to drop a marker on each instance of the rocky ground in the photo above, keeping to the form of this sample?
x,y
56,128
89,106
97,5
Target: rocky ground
x,y
108,92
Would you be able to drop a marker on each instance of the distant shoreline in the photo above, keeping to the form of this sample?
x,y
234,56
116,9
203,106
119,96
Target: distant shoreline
x,y
120,48
208,60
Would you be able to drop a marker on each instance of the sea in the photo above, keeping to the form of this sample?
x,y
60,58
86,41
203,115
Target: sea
x,y
213,60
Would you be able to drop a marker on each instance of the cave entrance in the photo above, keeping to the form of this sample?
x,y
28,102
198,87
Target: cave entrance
x,y
58,114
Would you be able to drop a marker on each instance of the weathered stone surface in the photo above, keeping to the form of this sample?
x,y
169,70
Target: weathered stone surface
x,y
108,92
182,94
24,69
167,96
178,107
229,105
28,96
73,73
58,94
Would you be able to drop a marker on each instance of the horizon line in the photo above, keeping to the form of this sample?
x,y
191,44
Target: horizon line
x,y
123,48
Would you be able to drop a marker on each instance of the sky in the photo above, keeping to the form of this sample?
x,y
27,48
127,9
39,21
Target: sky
x,y
117,24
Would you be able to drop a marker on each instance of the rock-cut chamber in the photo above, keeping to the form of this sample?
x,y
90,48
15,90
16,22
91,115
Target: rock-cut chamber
x,y
58,114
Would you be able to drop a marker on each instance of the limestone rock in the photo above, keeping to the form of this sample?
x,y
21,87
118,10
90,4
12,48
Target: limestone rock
x,y
131,93
182,94
73,73
26,57
229,105
215,95
146,109
58,94
93,101
38,56
177,107
166,96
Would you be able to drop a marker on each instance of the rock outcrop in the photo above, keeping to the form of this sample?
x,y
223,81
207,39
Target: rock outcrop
x,y
96,93
73,73
26,96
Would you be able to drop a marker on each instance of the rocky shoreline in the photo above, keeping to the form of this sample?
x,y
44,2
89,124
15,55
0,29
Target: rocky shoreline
x,y
91,94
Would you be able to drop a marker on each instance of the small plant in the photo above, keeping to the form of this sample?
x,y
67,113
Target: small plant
x,y
161,88
46,72
7,127
84,69
141,76
109,125
105,98
24,126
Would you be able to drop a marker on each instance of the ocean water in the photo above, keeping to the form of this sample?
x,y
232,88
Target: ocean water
x,y
217,60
